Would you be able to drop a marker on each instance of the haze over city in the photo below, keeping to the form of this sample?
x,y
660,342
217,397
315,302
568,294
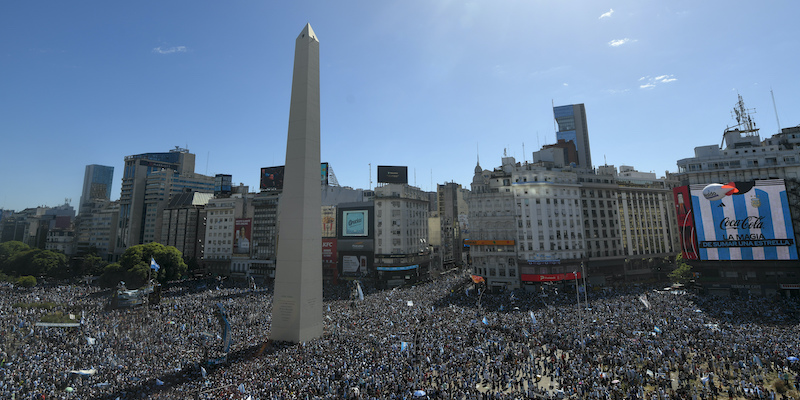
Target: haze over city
x,y
430,85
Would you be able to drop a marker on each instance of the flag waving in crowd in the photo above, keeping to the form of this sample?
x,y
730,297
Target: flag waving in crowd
x,y
154,265
477,279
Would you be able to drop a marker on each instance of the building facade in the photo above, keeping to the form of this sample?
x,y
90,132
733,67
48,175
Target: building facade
x,y
183,224
402,254
147,183
97,182
572,127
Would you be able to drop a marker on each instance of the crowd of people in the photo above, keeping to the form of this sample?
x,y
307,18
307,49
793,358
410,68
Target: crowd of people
x,y
442,339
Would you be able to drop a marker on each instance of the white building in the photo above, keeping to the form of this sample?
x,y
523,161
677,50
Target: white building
x,y
745,156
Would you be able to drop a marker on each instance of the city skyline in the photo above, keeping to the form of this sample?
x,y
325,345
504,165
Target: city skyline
x,y
428,85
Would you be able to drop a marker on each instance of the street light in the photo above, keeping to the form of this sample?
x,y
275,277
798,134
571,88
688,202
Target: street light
x,y
585,295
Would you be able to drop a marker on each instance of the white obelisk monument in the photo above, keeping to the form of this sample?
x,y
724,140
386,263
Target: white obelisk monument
x,y
297,305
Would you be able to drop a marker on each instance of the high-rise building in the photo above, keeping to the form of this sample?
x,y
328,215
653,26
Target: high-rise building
x,y
571,120
97,229
147,183
401,233
183,224
97,182
449,197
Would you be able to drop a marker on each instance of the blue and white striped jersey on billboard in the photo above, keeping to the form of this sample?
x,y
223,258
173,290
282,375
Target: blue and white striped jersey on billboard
x,y
753,224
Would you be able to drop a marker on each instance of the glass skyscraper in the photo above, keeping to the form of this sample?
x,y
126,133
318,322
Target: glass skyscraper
x,y
571,120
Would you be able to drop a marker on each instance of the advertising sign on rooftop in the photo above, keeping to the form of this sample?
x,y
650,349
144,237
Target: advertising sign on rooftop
x,y
389,174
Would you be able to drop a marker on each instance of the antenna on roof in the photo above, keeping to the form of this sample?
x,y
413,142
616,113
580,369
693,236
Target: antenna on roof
x,y
776,109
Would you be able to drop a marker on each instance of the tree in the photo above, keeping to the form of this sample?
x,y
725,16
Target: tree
x,y
135,263
683,271
36,262
89,264
50,263
10,249
111,275
27,281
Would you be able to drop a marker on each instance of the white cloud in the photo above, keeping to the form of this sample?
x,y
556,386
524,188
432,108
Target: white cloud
x,y
607,14
170,50
566,84
619,42
652,82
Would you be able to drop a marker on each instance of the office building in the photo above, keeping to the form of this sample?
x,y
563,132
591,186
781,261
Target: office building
x,y
572,127
401,234
183,224
147,183
97,182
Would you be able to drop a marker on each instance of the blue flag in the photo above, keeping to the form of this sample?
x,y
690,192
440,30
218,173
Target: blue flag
x,y
403,346
154,265
533,317
485,321
657,330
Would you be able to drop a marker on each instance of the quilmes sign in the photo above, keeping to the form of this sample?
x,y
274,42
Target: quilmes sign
x,y
355,223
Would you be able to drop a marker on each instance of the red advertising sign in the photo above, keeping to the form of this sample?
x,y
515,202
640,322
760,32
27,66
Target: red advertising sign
x,y
241,242
329,250
550,277
683,210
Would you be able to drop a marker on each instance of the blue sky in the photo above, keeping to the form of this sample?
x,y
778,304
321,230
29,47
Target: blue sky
x,y
423,83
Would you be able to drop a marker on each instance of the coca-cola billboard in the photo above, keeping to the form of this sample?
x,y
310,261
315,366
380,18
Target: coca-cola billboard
x,y
745,221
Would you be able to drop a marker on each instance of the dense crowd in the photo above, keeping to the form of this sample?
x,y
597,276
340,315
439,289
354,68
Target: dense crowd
x,y
440,339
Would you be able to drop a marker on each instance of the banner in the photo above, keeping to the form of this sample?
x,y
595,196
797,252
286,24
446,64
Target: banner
x,y
750,222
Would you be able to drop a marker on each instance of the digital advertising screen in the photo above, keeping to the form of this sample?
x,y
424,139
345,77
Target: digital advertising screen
x,y
743,221
389,174
355,223
272,178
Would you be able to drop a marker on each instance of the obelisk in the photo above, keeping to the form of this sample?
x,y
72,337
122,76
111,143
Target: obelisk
x,y
297,304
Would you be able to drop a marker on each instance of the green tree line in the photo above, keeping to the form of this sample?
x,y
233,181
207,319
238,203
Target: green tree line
x,y
20,260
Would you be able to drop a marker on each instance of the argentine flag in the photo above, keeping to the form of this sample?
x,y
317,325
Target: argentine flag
x,y
485,321
154,265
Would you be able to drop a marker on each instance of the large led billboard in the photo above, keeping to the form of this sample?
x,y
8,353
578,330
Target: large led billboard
x,y
355,223
272,177
388,174
743,221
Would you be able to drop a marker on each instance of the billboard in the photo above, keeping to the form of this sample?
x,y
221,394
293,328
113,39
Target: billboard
x,y
242,235
354,263
323,169
387,174
355,223
683,211
743,221
328,250
272,177
570,276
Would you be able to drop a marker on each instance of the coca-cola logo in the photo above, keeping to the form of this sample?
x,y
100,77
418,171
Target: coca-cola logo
x,y
749,222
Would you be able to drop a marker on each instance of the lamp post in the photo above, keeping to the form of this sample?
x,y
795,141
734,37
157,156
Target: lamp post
x,y
578,298
585,295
